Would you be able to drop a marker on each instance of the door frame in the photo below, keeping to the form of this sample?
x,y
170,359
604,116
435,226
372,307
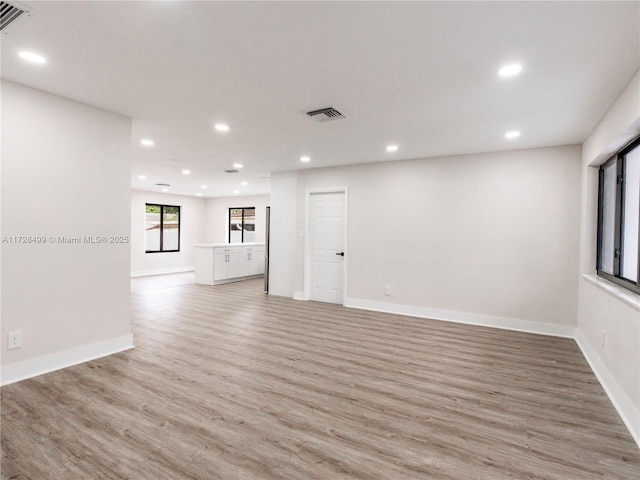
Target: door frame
x,y
307,238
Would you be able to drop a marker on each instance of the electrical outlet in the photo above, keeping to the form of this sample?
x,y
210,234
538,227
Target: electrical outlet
x,y
15,340
387,291
603,335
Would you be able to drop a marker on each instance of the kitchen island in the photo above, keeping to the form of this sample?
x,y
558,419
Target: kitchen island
x,y
217,263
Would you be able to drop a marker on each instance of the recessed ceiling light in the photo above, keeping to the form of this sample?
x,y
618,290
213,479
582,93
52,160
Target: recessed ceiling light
x,y
186,171
305,159
510,70
147,142
204,187
32,57
392,148
237,165
165,189
512,134
221,127
244,183
142,177
236,191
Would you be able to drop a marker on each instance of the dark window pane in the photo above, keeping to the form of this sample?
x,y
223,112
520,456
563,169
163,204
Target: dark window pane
x,y
249,226
162,229
171,230
242,225
152,228
619,218
235,225
631,233
608,220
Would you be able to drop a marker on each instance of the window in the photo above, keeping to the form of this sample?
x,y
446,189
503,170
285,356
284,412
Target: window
x,y
162,232
619,218
242,225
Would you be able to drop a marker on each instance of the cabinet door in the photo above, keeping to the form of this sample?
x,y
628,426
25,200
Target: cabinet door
x,y
256,264
233,264
244,260
220,266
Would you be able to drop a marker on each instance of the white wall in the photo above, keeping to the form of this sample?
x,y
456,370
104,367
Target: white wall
x,y
192,230
218,216
489,234
203,221
617,362
282,249
65,172
492,235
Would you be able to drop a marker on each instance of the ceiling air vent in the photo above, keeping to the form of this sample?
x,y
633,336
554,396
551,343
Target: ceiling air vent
x,y
163,185
232,170
325,114
10,14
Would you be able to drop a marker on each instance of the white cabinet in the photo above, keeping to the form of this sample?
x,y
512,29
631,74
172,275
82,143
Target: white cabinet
x,y
225,263
251,260
222,263
243,263
256,265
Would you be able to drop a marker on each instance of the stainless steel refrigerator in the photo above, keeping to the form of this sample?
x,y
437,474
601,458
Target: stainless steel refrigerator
x,y
266,251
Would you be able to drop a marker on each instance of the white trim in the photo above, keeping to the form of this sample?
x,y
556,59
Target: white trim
x,y
622,294
307,248
161,271
618,143
298,295
16,372
345,245
307,239
529,326
624,406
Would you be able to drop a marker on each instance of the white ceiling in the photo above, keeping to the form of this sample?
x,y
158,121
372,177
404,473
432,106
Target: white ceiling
x,y
421,75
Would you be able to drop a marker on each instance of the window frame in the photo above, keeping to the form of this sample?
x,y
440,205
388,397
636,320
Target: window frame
x,y
619,217
242,225
162,207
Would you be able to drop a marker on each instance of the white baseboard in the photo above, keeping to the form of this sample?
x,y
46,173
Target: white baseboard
x,y
38,366
298,295
529,326
625,407
160,271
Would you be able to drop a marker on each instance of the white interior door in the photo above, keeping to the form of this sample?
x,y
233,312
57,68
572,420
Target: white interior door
x,y
326,231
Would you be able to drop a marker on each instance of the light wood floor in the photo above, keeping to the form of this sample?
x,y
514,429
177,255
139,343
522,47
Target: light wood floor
x,y
228,383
